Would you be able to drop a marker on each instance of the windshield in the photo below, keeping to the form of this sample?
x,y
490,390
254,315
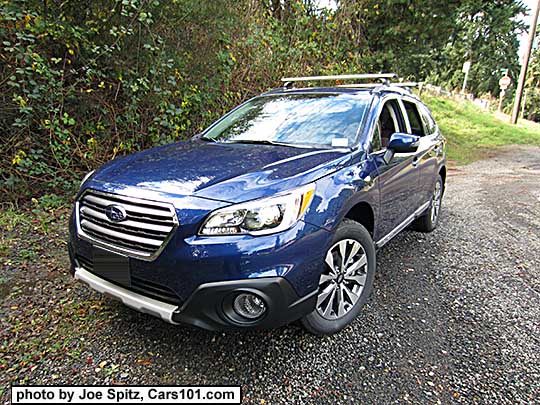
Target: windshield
x,y
312,120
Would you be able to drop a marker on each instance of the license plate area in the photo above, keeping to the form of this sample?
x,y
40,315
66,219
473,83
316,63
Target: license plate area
x,y
111,266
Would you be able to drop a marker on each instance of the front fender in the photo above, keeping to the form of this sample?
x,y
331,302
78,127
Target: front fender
x,y
338,193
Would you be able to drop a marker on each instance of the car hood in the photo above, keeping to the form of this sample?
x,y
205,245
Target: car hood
x,y
225,172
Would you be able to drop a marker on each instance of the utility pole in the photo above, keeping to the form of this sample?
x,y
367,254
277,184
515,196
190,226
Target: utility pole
x,y
525,65
523,104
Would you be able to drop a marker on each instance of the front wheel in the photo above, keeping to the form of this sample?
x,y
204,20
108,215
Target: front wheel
x,y
346,281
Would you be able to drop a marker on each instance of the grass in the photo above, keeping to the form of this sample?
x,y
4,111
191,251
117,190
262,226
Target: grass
x,y
473,134
10,218
25,232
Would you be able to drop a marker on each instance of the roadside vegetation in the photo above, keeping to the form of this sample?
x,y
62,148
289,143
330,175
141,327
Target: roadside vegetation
x,y
81,85
473,133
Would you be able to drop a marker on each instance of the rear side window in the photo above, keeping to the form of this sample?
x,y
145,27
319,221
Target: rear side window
x,y
429,122
417,127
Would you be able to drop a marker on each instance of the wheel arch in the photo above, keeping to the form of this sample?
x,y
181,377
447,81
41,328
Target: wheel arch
x,y
442,173
363,213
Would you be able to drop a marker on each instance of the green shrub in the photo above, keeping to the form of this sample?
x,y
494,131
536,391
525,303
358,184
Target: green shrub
x,y
84,82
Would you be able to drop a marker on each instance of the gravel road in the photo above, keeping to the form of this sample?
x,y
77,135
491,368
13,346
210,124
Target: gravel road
x,y
455,316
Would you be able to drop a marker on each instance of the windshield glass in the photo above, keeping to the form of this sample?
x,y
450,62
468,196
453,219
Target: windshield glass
x,y
307,119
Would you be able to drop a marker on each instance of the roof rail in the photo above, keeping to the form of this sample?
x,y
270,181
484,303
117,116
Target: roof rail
x,y
341,77
406,85
384,84
382,76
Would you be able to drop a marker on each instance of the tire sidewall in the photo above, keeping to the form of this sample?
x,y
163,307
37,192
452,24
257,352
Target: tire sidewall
x,y
348,229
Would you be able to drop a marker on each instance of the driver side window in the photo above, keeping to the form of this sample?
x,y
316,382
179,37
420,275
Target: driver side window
x,y
387,124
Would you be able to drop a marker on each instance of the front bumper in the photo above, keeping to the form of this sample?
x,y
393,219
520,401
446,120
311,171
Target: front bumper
x,y
131,299
194,278
210,306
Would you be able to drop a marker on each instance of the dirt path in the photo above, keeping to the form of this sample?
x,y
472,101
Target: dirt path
x,y
455,316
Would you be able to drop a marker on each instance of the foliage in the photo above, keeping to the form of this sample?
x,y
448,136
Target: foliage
x,y
397,35
81,85
473,133
485,33
532,84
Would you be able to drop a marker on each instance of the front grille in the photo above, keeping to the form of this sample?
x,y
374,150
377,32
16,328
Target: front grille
x,y
154,290
143,233
144,287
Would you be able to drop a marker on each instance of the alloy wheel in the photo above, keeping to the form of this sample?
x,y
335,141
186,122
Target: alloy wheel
x,y
436,202
343,279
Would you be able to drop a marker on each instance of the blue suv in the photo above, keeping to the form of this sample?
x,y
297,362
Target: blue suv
x,y
271,215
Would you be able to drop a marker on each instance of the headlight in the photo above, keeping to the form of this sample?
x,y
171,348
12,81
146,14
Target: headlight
x,y
86,177
260,217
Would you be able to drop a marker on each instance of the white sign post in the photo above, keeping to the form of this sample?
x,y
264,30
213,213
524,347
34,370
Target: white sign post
x,y
466,68
504,82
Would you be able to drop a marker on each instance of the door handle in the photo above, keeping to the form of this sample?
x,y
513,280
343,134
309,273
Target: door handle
x,y
415,162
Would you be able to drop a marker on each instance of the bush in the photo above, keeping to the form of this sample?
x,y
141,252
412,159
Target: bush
x,y
83,82
80,86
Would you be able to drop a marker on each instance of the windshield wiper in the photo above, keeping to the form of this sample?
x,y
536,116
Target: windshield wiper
x,y
267,142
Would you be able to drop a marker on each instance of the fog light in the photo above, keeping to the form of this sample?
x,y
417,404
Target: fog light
x,y
249,306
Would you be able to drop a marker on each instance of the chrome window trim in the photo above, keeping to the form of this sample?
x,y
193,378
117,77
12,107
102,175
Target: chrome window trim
x,y
121,250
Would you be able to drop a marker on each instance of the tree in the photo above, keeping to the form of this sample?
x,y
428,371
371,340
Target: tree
x,y
485,32
399,35
532,84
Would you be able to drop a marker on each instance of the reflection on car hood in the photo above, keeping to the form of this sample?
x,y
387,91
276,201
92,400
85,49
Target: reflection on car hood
x,y
219,171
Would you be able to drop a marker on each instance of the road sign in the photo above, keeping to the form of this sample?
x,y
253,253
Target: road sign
x,y
505,82
466,67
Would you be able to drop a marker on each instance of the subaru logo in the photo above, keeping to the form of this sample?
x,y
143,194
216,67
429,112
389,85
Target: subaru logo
x,y
115,213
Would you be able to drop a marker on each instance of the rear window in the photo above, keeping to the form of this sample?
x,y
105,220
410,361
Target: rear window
x,y
414,118
315,119
429,122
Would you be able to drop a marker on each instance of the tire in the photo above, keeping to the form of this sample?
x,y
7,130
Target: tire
x,y
429,221
343,290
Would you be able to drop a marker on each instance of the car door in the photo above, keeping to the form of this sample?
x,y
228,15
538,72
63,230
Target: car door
x,y
430,147
397,179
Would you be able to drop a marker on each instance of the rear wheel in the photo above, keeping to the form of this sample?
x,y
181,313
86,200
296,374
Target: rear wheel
x,y
346,280
429,221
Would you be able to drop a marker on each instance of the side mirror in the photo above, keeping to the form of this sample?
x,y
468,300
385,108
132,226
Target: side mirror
x,y
400,143
403,143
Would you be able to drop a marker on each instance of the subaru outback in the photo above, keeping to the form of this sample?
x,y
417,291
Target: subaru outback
x,y
272,214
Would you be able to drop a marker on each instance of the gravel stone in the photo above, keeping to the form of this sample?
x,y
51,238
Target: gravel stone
x,y
454,318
